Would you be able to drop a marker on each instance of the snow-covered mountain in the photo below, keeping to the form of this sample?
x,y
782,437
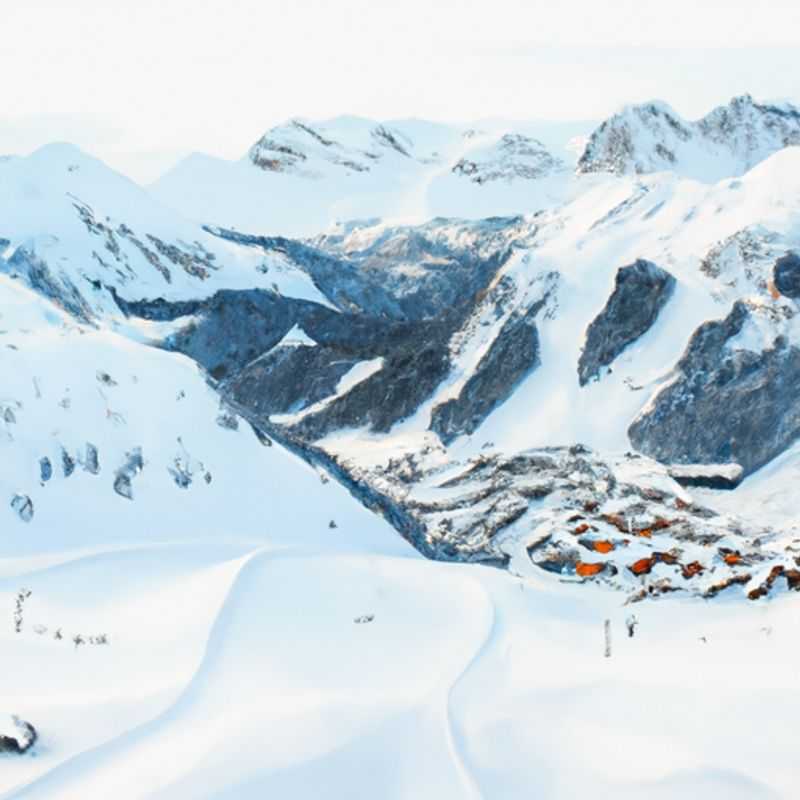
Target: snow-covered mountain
x,y
439,341
349,145
349,168
725,143
344,513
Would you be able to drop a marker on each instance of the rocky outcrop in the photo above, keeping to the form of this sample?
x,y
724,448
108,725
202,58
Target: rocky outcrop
x,y
512,355
786,275
401,293
39,276
310,149
288,379
707,476
725,404
91,459
513,157
417,362
641,290
428,269
351,290
123,478
22,505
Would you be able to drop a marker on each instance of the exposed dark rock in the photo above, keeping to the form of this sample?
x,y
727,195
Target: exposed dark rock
x,y
786,275
725,405
389,138
452,261
17,737
262,437
512,355
23,506
513,157
40,277
289,378
339,279
415,365
401,293
105,378
232,329
640,292
228,420
181,473
123,478
91,460
67,463
45,469
158,309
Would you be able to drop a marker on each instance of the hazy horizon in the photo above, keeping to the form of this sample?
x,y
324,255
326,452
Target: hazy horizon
x,y
151,84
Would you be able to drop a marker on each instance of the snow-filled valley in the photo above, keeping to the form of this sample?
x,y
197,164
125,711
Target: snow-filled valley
x,y
485,488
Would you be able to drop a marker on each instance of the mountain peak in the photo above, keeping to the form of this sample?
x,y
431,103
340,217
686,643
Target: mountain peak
x,y
728,141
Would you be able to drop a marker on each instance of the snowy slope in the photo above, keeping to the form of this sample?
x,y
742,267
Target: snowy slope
x,y
67,385
77,229
266,685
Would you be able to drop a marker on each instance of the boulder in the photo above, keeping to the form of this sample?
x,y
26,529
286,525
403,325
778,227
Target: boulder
x,y
786,275
16,735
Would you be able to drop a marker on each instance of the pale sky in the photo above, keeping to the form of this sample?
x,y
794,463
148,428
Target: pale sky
x,y
140,83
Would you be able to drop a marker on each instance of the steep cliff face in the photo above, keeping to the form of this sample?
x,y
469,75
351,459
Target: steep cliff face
x,y
512,355
731,398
